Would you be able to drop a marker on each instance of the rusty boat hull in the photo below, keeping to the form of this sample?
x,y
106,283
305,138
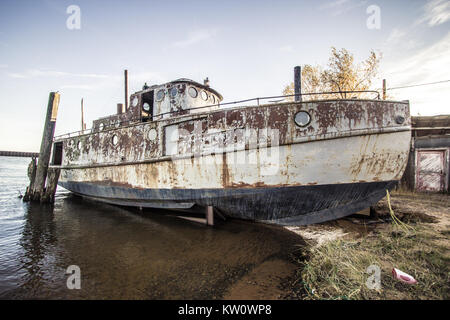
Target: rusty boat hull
x,y
252,163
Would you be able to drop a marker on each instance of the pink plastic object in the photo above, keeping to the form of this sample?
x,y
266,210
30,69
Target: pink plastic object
x,y
402,276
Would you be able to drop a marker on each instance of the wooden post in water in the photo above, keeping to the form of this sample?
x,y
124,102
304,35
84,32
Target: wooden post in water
x,y
210,215
38,188
32,176
52,183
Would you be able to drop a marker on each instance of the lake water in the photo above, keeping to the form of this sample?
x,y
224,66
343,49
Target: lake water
x,y
125,254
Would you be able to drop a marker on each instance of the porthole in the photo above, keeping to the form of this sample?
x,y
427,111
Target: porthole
x,y
160,95
302,118
152,134
146,107
204,95
79,145
173,92
101,126
115,140
399,119
135,101
193,92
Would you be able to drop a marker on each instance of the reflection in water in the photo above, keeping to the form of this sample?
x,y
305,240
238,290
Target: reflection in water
x,y
125,255
38,238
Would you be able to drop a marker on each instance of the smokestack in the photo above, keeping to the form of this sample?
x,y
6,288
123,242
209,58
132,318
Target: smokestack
x,y
126,89
298,83
119,108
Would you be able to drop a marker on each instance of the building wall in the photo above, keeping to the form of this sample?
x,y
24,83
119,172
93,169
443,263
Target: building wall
x,y
422,143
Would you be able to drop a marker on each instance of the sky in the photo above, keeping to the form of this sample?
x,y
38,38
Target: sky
x,y
247,49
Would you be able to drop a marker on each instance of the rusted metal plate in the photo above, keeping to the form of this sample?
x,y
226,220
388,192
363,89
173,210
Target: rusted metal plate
x,y
430,170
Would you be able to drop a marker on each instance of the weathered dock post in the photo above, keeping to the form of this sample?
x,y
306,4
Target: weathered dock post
x,y
32,176
298,83
37,189
210,215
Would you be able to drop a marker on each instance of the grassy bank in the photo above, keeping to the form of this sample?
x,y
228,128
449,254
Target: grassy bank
x,y
336,269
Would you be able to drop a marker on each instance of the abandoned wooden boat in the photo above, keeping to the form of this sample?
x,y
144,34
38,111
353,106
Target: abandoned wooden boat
x,y
288,163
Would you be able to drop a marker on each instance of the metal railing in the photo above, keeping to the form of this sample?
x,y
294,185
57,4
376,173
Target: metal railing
x,y
159,117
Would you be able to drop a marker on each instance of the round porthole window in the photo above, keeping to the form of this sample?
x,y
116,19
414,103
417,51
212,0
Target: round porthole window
x,y
152,134
115,140
173,92
79,145
135,101
302,118
204,95
146,107
160,95
193,92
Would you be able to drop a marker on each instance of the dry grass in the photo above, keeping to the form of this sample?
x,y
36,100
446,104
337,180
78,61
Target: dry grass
x,y
337,268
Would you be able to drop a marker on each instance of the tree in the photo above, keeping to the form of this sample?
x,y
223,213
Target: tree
x,y
341,74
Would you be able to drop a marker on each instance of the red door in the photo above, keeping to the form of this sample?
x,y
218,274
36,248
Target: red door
x,y
430,170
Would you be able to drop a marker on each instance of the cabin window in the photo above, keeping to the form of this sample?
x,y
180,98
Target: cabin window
x,y
160,95
204,95
79,145
193,92
101,126
173,92
147,105
57,153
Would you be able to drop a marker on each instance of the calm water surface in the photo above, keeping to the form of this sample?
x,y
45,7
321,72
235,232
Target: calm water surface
x,y
122,254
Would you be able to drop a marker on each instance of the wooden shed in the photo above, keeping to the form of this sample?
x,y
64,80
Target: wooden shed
x,y
428,164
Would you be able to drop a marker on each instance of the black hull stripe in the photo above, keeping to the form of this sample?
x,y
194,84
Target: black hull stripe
x,y
295,205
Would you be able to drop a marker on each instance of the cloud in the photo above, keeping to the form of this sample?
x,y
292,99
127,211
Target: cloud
x,y
136,80
423,66
287,48
436,12
339,7
395,36
34,73
195,37
429,63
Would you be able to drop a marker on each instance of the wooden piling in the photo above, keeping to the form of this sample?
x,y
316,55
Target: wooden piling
x,y
32,176
52,182
38,188
210,215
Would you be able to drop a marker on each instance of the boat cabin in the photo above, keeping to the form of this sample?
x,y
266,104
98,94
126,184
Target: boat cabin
x,y
171,99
